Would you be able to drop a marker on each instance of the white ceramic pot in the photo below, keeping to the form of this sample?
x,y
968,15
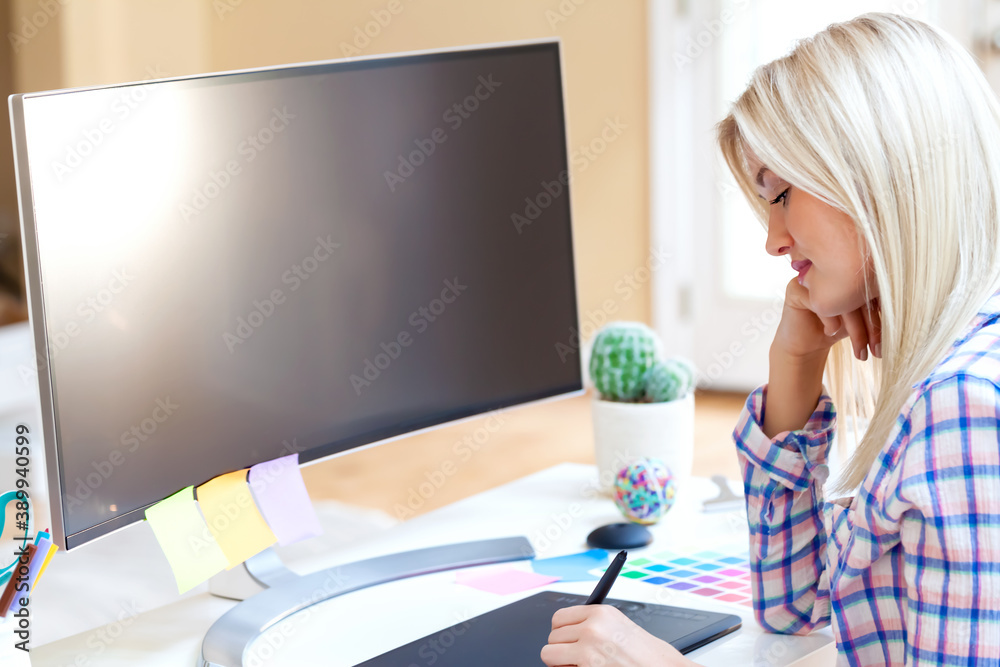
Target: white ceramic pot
x,y
624,432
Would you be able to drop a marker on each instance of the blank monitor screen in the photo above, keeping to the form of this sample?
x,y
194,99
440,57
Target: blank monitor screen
x,y
227,268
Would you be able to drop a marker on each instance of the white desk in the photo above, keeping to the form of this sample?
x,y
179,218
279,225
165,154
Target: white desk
x,y
555,509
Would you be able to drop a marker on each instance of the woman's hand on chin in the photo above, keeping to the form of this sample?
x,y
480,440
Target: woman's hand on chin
x,y
803,334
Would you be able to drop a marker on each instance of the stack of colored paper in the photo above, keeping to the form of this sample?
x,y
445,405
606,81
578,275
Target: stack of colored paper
x,y
27,571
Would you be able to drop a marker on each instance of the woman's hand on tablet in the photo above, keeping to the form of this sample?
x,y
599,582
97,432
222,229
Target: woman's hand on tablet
x,y
601,635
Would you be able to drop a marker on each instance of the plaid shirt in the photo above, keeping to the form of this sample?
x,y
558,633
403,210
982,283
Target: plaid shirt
x,y
908,570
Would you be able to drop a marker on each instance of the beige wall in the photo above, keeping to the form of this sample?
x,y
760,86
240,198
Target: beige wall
x,y
604,47
109,41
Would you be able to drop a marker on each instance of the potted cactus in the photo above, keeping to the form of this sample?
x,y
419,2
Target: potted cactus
x,y
644,404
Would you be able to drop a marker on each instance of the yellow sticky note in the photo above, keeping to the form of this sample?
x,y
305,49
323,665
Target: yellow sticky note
x,y
45,564
186,541
233,517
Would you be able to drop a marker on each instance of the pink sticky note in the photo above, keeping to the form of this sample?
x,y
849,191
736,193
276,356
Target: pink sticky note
x,y
503,581
282,498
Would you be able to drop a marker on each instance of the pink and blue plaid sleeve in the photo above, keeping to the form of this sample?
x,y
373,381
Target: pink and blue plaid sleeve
x,y
785,514
947,500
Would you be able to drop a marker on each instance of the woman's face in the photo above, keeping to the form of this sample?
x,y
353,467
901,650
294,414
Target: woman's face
x,y
820,240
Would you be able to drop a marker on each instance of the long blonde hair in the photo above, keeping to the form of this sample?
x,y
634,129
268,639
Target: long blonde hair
x,y
890,121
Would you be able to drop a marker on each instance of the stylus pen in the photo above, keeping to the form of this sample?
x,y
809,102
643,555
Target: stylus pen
x,y
607,581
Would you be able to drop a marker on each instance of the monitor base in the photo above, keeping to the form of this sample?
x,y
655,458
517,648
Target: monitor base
x,y
270,592
257,574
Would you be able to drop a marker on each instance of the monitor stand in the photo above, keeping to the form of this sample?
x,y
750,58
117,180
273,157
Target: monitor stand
x,y
270,592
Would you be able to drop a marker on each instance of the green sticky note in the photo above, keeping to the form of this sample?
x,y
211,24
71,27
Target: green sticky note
x,y
192,552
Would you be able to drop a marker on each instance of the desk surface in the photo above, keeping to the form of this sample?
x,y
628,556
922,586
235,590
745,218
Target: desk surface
x,y
555,509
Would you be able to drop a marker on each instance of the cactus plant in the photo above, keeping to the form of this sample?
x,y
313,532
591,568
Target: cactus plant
x,y
622,354
643,404
625,366
668,380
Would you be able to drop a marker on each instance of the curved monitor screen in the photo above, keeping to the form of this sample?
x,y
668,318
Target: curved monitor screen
x,y
226,269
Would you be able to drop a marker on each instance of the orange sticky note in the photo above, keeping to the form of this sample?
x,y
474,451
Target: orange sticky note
x,y
233,517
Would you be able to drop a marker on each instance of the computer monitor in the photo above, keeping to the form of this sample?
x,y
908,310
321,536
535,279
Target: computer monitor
x,y
223,269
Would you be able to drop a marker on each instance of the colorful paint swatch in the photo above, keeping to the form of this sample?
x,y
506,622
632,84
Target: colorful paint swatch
x,y
233,517
503,581
682,586
707,592
720,574
684,574
575,567
192,552
282,498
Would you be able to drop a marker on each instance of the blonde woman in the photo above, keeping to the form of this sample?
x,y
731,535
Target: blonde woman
x,y
872,153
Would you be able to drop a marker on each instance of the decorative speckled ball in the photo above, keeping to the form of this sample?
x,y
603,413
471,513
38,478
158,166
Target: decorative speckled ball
x,y
645,491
